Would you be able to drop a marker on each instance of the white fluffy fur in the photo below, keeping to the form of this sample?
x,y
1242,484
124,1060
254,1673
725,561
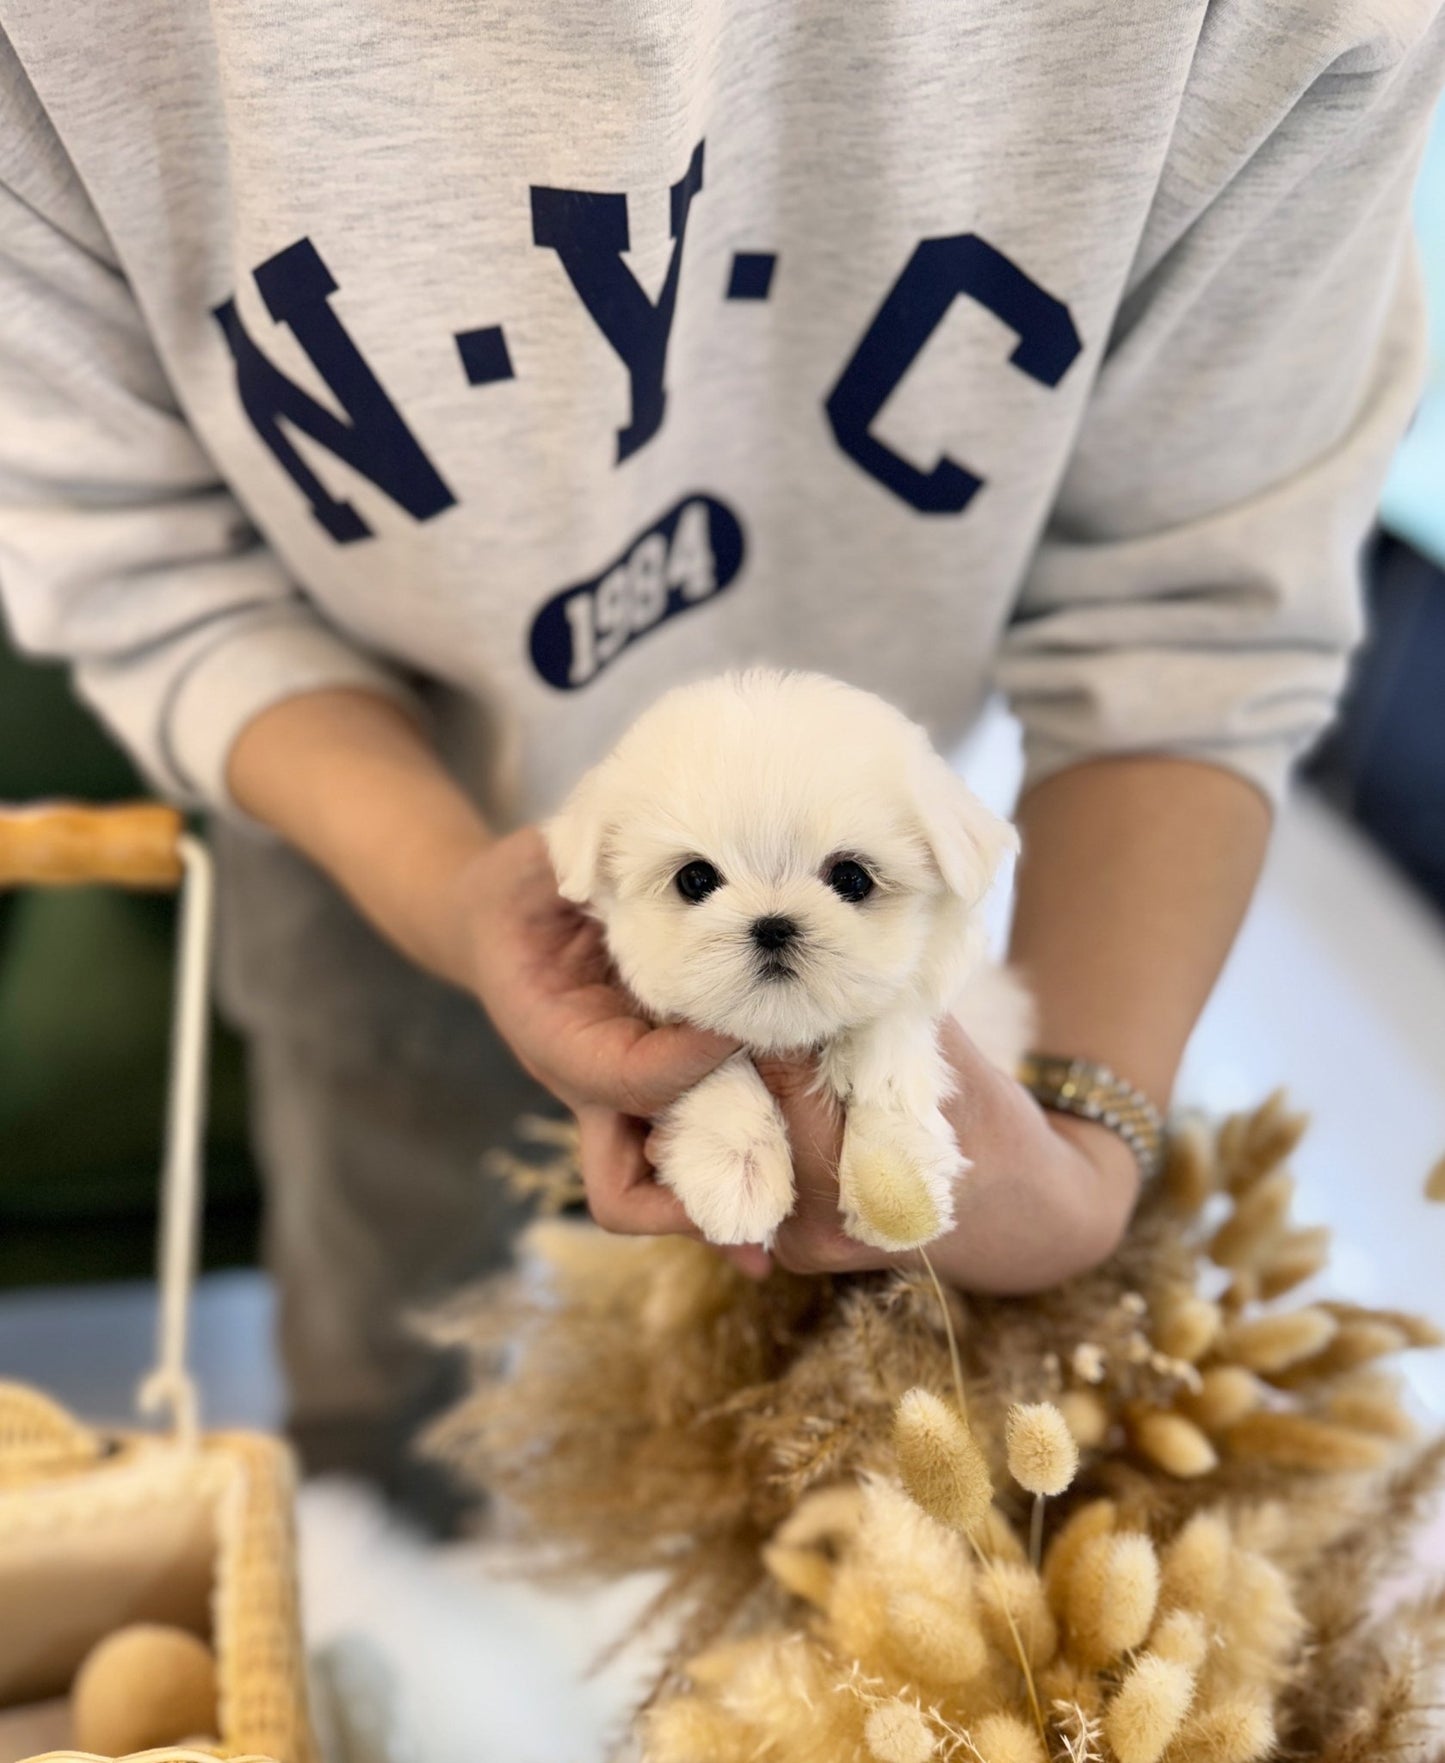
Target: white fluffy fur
x,y
772,777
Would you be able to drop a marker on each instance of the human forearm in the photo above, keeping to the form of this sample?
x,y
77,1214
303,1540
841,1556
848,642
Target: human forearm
x,y
348,778
1135,875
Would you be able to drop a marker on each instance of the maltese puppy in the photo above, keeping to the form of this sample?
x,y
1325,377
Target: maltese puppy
x,y
786,860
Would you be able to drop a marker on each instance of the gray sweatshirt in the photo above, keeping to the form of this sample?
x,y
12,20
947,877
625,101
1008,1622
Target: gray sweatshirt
x,y
531,357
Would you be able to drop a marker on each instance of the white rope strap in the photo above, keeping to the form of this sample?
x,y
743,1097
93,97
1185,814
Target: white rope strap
x,y
170,1387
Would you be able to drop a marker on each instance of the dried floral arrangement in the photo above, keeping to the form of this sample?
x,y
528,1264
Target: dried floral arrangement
x,y
1143,1519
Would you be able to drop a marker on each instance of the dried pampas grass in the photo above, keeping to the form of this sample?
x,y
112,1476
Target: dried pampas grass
x,y
1143,1519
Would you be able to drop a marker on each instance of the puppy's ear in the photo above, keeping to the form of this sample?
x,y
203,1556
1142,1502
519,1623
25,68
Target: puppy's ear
x,y
576,836
968,841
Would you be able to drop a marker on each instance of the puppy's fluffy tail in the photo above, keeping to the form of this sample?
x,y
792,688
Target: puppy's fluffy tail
x,y
996,1011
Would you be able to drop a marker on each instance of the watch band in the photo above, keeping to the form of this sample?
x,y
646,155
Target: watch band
x,y
1093,1092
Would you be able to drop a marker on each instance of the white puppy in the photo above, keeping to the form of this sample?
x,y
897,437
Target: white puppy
x,y
786,860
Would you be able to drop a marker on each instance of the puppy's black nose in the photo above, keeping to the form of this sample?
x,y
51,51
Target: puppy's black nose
x,y
774,933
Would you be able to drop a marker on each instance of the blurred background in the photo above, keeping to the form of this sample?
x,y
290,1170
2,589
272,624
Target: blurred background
x,y
1336,990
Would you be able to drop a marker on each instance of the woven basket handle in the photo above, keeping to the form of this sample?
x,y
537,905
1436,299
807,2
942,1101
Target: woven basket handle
x,y
145,845
137,845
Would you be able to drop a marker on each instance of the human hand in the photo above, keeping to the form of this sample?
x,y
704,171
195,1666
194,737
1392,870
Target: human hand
x,y
540,967
1046,1196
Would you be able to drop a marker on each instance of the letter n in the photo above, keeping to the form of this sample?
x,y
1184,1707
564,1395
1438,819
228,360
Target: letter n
x,y
373,440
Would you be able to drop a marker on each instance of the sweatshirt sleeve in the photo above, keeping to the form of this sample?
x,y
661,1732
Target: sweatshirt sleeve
x,y
1196,590
120,551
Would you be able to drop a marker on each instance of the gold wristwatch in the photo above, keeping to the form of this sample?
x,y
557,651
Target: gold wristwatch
x,y
1093,1092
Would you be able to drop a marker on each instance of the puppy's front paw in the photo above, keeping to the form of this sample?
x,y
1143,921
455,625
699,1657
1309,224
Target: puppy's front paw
x,y
727,1159
895,1179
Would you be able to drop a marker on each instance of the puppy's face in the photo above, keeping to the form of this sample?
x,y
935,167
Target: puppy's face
x,y
778,857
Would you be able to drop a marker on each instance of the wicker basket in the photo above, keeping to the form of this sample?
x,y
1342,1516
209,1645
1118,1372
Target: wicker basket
x,y
98,1531
165,1755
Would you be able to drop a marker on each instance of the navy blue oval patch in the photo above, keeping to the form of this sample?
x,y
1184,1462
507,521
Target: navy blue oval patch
x,y
683,561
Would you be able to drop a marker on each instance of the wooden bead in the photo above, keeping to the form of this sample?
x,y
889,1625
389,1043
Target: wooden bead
x,y
143,1687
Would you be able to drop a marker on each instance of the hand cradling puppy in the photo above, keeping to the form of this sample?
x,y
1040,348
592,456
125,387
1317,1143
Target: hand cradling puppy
x,y
786,860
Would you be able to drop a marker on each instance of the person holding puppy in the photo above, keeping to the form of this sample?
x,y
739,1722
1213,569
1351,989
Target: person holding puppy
x,y
391,405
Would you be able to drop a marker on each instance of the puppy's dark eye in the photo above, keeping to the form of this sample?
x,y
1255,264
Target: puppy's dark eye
x,y
695,881
850,881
